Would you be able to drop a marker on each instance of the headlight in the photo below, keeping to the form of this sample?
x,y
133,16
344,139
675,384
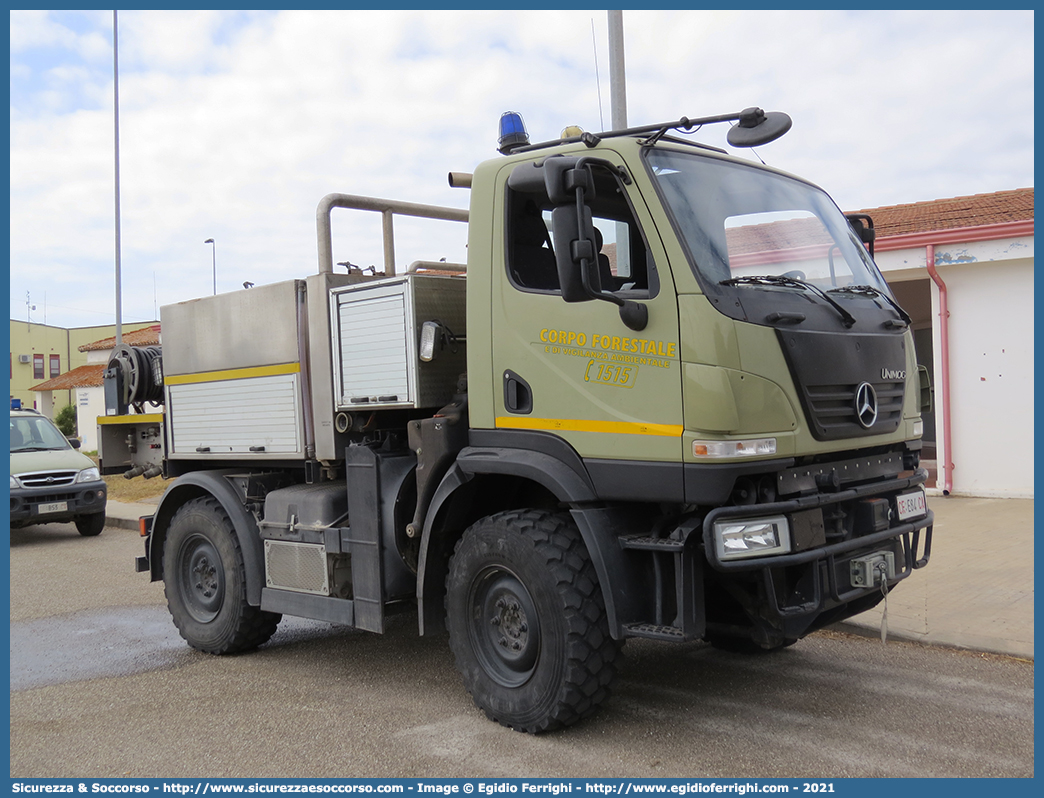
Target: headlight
x,y
88,475
751,537
751,448
14,483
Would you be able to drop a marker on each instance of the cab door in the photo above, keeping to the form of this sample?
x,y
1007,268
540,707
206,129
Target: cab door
x,y
575,370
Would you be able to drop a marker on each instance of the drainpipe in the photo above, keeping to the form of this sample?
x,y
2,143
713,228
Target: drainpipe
x,y
944,354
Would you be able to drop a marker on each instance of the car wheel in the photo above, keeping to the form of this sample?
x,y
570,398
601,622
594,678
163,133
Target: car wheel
x,y
90,525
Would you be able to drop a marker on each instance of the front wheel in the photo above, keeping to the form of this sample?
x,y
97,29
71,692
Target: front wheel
x,y
205,583
90,525
527,621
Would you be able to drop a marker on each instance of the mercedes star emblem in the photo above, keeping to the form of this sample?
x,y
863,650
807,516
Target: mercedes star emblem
x,y
866,404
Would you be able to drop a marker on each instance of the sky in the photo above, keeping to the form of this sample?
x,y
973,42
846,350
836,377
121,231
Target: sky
x,y
235,124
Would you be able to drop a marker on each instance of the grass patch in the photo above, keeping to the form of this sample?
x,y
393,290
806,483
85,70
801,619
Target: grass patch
x,y
135,490
138,489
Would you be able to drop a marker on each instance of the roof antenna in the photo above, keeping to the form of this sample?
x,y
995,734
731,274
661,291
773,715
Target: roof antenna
x,y
598,83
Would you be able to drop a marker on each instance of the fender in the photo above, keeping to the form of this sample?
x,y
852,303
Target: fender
x,y
429,575
563,480
211,483
570,485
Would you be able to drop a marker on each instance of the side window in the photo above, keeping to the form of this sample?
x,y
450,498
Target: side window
x,y
624,266
531,257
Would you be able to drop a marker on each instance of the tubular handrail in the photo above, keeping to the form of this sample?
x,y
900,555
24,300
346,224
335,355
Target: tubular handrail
x,y
436,266
387,209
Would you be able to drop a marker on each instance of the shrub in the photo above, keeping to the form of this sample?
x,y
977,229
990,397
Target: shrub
x,y
66,420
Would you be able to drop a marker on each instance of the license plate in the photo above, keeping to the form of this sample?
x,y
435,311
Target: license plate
x,y
911,505
52,507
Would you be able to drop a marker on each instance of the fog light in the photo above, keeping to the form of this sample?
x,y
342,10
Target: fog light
x,y
752,537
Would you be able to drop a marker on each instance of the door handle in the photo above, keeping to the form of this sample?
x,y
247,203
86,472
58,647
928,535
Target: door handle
x,y
518,396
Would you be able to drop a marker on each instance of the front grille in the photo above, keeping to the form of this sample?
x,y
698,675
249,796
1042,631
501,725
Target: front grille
x,y
832,410
47,498
828,370
47,479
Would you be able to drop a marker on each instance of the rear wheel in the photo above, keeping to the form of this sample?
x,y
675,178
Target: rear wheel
x,y
90,525
204,581
527,621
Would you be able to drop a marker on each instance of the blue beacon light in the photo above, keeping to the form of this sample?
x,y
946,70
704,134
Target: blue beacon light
x,y
512,132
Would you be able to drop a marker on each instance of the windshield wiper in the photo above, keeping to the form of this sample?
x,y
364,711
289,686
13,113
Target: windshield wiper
x,y
39,449
869,290
791,282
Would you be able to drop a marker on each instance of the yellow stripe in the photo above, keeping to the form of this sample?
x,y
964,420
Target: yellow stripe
x,y
584,425
232,374
143,418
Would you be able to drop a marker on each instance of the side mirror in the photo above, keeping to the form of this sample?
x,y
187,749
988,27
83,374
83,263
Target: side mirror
x,y
756,127
925,382
864,228
562,178
555,177
573,248
571,245
527,178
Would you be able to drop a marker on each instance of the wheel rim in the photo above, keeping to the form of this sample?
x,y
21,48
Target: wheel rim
x,y
504,628
202,578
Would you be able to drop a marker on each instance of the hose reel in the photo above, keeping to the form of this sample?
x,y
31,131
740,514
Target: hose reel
x,y
133,377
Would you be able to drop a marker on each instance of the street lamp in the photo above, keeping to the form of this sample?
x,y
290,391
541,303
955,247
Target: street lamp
x,y
213,252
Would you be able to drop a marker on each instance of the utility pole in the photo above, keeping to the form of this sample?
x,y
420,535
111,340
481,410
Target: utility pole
x,y
618,107
617,81
116,120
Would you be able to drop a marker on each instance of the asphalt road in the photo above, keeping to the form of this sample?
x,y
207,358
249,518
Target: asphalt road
x,y
102,686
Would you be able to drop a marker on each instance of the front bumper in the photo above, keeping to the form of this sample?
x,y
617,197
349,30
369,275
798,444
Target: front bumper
x,y
798,592
57,505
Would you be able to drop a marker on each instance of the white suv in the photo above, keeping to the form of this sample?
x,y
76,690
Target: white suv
x,y
50,481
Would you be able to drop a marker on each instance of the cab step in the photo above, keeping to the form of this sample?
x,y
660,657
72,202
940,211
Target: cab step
x,y
654,631
665,545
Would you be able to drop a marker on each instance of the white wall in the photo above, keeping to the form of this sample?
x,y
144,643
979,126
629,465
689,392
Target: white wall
x,y
990,295
90,403
991,376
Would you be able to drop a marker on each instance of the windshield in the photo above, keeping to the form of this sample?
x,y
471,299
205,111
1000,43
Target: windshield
x,y
741,222
30,433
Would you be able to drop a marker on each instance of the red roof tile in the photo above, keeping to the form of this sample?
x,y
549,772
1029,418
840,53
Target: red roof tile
x,y
946,214
90,376
147,336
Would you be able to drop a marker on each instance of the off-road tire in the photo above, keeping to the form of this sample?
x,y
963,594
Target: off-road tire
x,y
527,621
205,584
90,525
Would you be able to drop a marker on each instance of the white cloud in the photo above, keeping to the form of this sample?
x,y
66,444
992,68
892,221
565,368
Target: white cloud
x,y
235,124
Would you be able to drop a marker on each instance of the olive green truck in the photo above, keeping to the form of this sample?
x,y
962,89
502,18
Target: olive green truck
x,y
668,396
